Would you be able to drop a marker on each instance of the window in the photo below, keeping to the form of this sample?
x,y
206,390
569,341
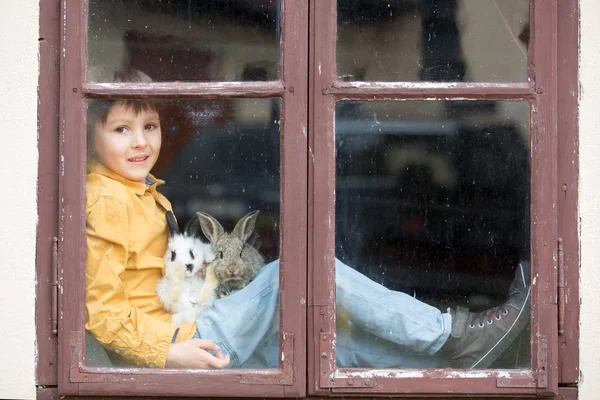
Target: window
x,y
383,118
428,169
253,104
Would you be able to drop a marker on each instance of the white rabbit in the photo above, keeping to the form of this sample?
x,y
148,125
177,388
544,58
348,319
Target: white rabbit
x,y
189,283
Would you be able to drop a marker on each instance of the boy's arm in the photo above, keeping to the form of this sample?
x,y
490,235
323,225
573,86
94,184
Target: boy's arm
x,y
117,324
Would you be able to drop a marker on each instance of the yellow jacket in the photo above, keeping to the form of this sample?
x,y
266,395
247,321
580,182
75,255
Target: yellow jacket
x,y
126,240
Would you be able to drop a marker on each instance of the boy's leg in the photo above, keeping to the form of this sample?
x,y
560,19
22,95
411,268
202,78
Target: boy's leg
x,y
247,320
476,340
357,348
417,328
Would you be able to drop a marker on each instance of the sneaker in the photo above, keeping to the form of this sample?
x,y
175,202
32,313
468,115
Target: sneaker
x,y
478,339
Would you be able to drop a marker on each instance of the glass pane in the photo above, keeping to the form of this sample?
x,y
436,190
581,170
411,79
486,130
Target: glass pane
x,y
431,40
432,202
192,40
218,157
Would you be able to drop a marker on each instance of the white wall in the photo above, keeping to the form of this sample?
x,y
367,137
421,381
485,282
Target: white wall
x,y
18,152
589,198
18,171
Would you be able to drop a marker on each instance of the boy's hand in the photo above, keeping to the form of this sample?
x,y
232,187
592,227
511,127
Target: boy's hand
x,y
193,354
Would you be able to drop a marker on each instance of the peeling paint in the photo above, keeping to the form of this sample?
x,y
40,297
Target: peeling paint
x,y
64,7
446,374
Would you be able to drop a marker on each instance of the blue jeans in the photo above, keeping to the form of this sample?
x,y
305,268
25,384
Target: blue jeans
x,y
377,327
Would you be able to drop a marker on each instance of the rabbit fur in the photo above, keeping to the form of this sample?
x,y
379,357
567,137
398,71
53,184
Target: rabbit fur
x,y
236,261
189,283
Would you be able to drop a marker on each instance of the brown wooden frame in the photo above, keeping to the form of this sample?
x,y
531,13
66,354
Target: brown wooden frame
x,y
74,377
568,184
541,92
48,204
48,117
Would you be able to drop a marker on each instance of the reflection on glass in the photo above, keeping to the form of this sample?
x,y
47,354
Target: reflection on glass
x,y
219,157
432,200
194,40
431,40
222,156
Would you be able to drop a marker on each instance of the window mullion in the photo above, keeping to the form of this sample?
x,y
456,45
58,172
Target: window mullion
x,y
71,194
433,90
196,90
544,225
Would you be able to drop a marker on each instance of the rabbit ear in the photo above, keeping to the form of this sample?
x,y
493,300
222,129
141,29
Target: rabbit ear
x,y
192,227
172,223
211,228
243,229
254,241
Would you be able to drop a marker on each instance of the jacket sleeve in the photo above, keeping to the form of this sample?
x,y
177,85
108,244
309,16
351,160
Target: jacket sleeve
x,y
117,324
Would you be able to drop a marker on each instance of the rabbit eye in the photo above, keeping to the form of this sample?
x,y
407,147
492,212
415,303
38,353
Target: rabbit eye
x,y
173,255
220,254
192,254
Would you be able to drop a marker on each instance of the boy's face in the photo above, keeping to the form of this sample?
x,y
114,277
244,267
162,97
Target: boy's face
x,y
129,142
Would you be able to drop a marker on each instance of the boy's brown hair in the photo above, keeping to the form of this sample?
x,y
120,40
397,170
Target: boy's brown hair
x,y
97,111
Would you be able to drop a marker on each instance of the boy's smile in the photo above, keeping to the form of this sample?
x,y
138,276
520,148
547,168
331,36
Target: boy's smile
x,y
129,142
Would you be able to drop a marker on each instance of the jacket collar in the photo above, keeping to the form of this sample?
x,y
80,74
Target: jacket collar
x,y
136,187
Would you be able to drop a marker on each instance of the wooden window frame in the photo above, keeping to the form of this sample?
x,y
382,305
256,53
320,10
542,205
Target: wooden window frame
x,y
542,378
51,135
76,378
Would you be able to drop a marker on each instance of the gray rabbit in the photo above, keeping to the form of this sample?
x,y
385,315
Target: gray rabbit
x,y
236,261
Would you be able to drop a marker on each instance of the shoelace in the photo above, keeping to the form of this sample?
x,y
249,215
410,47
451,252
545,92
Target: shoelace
x,y
482,317
496,312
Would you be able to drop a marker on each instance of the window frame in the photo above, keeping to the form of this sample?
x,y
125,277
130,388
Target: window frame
x,y
567,112
541,92
48,118
50,136
74,377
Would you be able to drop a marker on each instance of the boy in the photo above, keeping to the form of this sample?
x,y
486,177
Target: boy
x,y
126,237
126,240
